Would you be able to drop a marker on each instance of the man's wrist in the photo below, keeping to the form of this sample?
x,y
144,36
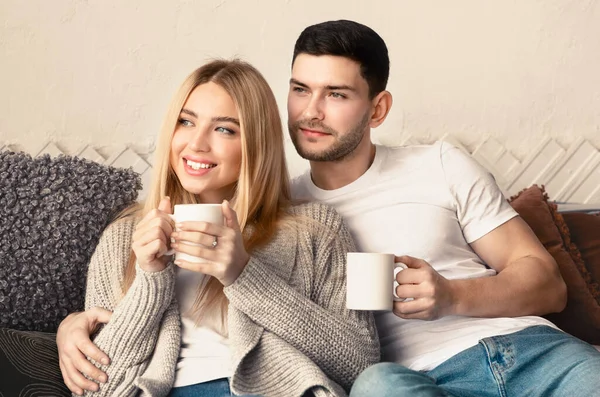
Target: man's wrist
x,y
457,301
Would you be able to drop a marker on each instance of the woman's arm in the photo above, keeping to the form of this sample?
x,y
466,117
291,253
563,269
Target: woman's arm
x,y
340,341
129,338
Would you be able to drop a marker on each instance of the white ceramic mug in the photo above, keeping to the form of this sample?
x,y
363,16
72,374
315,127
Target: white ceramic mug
x,y
371,281
198,213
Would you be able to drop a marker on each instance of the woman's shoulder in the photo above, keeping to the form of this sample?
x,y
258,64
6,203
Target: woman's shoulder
x,y
322,213
122,226
118,234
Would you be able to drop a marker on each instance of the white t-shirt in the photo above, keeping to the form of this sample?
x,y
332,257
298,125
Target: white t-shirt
x,y
429,202
204,354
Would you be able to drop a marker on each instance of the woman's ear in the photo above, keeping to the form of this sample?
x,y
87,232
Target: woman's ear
x,y
382,103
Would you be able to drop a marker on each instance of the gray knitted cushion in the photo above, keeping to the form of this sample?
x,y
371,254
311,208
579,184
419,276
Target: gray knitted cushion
x,y
52,212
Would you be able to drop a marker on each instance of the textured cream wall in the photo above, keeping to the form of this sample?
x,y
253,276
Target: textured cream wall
x,y
102,72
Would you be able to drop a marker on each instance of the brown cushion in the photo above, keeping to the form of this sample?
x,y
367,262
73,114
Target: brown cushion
x,y
581,317
585,234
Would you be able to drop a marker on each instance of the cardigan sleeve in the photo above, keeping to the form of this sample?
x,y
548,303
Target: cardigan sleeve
x,y
129,339
341,342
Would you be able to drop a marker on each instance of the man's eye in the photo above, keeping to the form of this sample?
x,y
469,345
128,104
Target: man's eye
x,y
298,89
337,95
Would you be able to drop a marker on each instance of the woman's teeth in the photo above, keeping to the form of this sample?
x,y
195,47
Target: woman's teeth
x,y
196,166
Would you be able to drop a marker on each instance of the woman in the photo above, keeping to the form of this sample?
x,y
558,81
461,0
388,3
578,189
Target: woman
x,y
265,313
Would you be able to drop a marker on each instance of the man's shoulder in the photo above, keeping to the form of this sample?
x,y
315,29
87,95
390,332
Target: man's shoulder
x,y
410,158
416,150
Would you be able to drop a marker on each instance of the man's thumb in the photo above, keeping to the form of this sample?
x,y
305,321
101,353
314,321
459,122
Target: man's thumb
x,y
101,315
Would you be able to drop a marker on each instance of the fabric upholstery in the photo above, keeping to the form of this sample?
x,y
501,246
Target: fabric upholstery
x,y
52,212
29,365
585,234
581,317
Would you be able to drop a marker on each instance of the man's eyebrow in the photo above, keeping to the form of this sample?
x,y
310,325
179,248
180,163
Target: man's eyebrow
x,y
340,87
226,120
328,87
296,82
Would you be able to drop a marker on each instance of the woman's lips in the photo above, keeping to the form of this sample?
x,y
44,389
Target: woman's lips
x,y
195,172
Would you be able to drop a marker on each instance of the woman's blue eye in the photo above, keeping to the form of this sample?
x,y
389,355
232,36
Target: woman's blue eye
x,y
185,123
225,130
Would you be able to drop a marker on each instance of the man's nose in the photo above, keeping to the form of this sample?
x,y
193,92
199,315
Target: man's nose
x,y
314,109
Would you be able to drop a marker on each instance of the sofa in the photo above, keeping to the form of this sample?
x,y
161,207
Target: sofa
x,y
53,211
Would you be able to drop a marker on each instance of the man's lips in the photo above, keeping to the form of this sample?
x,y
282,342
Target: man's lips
x,y
313,133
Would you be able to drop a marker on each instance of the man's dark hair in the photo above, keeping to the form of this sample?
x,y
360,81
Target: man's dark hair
x,y
351,40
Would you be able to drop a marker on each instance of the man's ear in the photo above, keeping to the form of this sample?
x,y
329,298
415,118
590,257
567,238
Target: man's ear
x,y
382,103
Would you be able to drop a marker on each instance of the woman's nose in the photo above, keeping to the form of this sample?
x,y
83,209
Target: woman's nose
x,y
200,141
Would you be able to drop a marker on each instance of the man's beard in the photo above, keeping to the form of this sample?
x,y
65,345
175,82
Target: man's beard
x,y
339,150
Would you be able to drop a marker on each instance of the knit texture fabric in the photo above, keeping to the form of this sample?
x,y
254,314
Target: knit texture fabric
x,y
289,329
52,213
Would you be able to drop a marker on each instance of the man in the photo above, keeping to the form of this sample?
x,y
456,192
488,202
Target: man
x,y
446,217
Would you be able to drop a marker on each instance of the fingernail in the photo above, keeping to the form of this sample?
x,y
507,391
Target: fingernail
x,y
177,262
102,378
172,240
178,225
167,197
173,245
104,361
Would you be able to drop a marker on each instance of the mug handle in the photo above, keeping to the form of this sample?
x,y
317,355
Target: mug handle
x,y
398,267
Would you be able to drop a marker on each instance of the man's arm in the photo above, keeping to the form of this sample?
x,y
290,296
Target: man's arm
x,y
73,340
528,280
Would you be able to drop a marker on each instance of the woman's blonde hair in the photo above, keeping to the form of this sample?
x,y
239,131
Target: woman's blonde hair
x,y
262,192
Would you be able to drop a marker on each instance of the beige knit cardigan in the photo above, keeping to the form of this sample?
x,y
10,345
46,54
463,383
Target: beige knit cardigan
x,y
289,329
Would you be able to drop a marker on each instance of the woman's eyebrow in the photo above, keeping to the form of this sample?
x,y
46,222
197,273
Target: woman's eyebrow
x,y
227,119
190,112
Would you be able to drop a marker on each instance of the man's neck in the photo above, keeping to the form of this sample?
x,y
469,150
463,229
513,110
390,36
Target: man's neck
x,y
331,175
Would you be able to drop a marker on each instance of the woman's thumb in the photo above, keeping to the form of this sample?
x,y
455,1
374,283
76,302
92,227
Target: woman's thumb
x,y
165,205
231,219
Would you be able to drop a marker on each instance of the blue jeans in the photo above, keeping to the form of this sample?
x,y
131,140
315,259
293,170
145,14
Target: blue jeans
x,y
213,388
537,361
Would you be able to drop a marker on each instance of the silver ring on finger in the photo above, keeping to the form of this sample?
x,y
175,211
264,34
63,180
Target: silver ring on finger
x,y
215,242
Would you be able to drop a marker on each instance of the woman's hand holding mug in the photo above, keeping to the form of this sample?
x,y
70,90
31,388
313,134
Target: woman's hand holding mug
x,y
150,240
212,248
